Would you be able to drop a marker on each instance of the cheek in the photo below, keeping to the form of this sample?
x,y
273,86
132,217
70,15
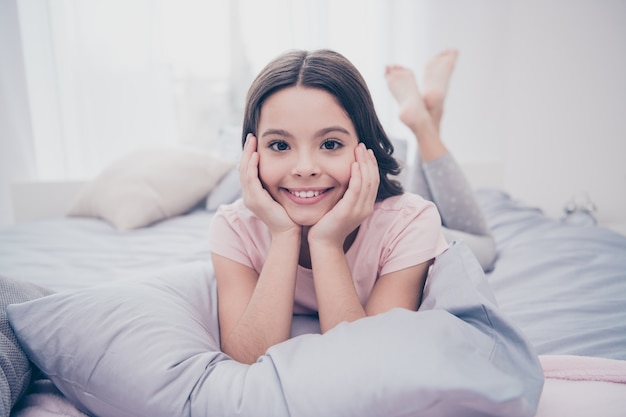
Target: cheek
x,y
267,172
343,174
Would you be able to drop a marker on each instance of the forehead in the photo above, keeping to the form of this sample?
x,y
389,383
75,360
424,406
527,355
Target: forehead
x,y
303,107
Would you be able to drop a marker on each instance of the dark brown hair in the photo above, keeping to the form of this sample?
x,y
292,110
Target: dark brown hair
x,y
332,72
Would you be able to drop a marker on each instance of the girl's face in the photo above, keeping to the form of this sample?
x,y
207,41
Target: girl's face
x,y
306,144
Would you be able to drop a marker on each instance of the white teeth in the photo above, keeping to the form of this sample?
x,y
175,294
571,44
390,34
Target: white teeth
x,y
305,194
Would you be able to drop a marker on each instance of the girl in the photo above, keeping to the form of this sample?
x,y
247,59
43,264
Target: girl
x,y
322,227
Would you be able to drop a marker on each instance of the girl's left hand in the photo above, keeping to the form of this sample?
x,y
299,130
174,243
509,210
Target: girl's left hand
x,y
355,206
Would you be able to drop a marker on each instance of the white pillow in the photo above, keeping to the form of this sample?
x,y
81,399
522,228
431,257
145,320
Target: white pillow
x,y
150,185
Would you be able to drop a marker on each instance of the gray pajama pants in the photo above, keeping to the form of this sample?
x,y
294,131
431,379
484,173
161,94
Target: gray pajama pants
x,y
442,181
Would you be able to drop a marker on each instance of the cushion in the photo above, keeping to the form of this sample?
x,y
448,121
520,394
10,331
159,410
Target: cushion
x,y
226,191
149,346
15,368
150,185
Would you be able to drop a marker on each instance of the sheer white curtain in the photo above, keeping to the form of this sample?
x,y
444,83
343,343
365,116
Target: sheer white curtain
x,y
105,77
98,82
16,140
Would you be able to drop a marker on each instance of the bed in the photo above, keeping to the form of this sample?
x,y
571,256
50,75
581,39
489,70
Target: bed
x,y
115,315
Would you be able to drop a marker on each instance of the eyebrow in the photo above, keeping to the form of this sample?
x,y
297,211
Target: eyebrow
x,y
321,132
279,132
331,129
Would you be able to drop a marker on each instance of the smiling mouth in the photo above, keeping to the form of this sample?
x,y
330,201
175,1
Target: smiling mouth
x,y
307,193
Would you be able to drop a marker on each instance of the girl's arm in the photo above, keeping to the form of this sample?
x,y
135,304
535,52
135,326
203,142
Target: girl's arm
x,y
336,296
401,289
255,310
337,299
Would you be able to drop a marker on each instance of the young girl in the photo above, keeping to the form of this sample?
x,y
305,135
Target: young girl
x,y
322,228
436,175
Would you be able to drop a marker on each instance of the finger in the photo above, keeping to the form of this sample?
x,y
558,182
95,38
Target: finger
x,y
252,168
354,193
368,160
369,177
245,156
250,144
354,185
373,170
249,168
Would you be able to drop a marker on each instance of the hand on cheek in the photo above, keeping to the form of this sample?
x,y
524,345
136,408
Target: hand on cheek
x,y
364,182
357,203
255,197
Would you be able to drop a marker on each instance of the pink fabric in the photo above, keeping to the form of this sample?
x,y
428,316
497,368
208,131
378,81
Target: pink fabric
x,y
402,231
583,368
580,386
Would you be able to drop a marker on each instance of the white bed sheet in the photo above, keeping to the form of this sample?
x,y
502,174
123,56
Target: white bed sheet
x,y
564,285
69,253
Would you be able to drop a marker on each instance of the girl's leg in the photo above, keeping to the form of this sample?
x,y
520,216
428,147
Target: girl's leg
x,y
436,80
437,176
414,112
415,115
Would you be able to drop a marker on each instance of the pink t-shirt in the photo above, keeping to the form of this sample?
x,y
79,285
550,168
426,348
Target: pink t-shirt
x,y
403,231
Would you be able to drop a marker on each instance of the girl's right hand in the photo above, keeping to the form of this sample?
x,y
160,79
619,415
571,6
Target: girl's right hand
x,y
255,197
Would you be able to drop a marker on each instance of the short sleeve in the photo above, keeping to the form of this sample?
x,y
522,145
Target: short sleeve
x,y
415,237
225,237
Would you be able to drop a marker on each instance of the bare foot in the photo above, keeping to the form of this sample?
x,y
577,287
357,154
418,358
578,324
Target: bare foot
x,y
403,86
436,79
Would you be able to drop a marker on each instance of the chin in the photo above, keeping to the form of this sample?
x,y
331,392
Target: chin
x,y
306,220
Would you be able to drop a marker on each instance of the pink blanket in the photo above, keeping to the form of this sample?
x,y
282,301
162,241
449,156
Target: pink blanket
x,y
578,386
582,368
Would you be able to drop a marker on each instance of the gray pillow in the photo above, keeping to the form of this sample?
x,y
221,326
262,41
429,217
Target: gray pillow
x,y
15,368
150,347
226,191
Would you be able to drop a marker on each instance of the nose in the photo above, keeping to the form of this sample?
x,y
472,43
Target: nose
x,y
305,165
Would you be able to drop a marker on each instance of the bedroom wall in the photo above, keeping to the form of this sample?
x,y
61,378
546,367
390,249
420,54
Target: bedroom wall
x,y
567,97
540,91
